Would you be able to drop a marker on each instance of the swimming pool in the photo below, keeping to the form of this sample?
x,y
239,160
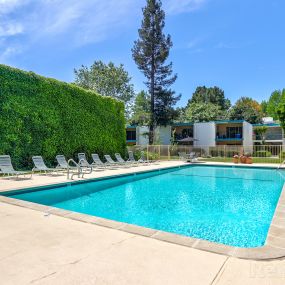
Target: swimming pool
x,y
228,205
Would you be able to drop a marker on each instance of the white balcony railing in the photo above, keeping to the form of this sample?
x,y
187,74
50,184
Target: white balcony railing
x,y
260,153
269,137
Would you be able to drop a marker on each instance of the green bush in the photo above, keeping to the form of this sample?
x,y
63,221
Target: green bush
x,y
152,156
43,116
222,153
262,153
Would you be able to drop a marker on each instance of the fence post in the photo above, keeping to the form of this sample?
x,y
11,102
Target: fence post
x,y
224,153
147,157
169,158
159,151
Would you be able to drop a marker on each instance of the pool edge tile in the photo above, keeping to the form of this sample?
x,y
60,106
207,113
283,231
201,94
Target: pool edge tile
x,y
107,223
215,247
276,241
58,212
174,238
25,204
133,229
266,252
277,231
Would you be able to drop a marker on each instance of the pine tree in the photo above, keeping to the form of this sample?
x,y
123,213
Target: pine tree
x,y
150,53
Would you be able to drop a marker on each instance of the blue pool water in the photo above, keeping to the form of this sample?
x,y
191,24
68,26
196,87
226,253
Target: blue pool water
x,y
228,205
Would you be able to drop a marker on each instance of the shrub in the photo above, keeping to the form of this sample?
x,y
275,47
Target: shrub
x,y
222,153
152,156
262,153
43,116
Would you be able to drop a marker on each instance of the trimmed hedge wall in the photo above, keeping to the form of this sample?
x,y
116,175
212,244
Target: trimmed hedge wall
x,y
43,116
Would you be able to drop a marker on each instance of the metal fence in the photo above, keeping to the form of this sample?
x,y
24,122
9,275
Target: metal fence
x,y
222,153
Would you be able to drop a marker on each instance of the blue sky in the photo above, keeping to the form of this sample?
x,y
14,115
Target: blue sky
x,y
238,45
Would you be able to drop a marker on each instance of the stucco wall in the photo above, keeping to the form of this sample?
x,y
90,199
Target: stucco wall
x,y
141,138
163,135
205,135
247,137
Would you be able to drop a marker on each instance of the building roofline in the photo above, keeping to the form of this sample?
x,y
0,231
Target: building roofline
x,y
267,125
182,124
230,121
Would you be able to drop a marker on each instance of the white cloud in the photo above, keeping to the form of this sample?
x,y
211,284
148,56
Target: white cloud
x,y
196,42
183,6
8,52
8,6
73,21
85,21
10,29
89,20
52,22
8,26
223,45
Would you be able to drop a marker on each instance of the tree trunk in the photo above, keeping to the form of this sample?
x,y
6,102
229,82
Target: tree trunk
x,y
152,114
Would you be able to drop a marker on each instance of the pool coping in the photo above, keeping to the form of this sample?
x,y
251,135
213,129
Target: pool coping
x,y
87,180
274,247
84,180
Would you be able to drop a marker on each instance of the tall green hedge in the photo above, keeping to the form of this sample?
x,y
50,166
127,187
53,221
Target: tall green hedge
x,y
43,116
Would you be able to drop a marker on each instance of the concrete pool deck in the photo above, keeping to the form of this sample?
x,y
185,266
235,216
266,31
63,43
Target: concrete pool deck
x,y
41,248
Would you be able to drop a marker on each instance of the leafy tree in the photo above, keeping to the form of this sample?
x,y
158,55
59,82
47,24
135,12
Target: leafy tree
x,y
141,109
273,103
212,95
203,112
246,109
281,110
150,53
264,105
164,111
107,80
181,114
261,131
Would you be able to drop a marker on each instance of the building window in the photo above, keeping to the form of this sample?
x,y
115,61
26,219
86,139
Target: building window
x,y
131,135
187,133
234,132
180,133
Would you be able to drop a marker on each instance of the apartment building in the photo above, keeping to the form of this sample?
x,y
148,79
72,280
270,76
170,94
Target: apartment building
x,y
196,134
274,134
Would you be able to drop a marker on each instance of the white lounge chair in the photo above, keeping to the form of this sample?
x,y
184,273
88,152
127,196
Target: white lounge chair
x,y
83,162
193,157
7,168
63,164
182,156
97,162
40,166
71,167
122,161
143,158
133,160
111,162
